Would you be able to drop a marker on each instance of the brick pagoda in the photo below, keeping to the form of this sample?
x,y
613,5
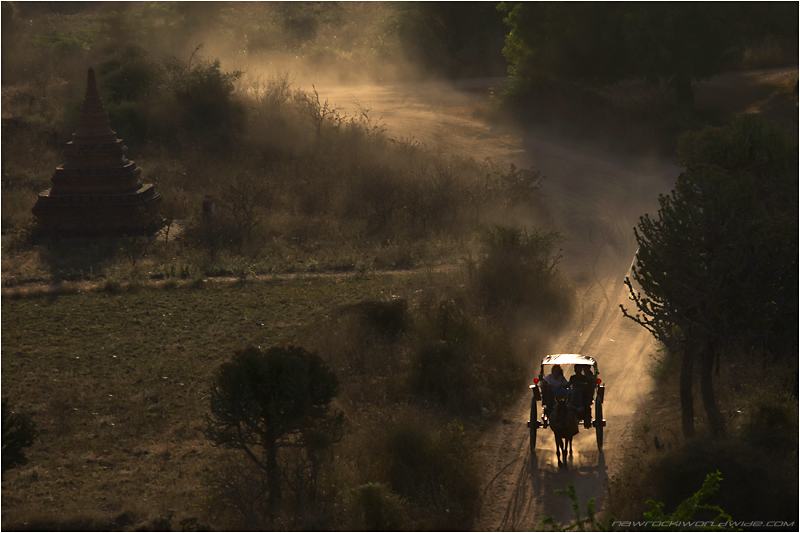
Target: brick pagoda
x,y
97,190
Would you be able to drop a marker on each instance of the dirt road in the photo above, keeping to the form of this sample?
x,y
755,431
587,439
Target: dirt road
x,y
595,201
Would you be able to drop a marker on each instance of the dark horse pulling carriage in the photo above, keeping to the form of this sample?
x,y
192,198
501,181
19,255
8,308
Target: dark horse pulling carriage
x,y
563,409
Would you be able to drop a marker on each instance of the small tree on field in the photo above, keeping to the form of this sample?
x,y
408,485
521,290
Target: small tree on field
x,y
263,402
18,433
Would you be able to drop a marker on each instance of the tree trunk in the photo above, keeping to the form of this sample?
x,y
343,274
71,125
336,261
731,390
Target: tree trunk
x,y
682,82
273,473
687,398
716,422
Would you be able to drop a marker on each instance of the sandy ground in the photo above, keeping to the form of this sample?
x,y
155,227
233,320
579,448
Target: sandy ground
x,y
595,201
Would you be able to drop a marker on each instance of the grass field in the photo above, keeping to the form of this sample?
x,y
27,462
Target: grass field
x,y
117,383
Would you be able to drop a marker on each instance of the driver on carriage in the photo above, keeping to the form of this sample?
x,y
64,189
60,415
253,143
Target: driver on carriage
x,y
557,384
581,383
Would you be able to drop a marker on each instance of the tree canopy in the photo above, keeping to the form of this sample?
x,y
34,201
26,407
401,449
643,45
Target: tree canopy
x,y
672,42
264,401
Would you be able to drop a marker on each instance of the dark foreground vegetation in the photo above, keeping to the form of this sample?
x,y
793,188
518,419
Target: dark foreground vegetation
x,y
126,408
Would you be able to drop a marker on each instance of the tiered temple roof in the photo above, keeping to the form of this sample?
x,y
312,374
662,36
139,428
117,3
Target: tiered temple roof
x,y
97,190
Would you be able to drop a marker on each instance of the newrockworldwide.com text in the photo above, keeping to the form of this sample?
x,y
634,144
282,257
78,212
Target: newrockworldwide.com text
x,y
699,523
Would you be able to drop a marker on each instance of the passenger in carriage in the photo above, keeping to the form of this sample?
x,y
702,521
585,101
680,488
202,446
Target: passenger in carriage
x,y
556,381
556,378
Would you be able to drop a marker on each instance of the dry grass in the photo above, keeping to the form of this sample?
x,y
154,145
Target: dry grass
x,y
116,384
115,378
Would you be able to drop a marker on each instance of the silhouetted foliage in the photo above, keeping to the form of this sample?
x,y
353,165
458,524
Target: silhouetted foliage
x,y
387,319
459,362
129,75
374,507
587,42
517,275
719,265
434,468
19,431
452,38
279,399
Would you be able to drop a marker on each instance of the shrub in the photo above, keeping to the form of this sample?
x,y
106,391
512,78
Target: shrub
x,y
688,509
434,469
374,507
19,431
517,276
129,75
386,319
758,483
772,421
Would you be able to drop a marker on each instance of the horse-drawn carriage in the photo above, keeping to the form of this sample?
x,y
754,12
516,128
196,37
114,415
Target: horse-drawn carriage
x,y
569,406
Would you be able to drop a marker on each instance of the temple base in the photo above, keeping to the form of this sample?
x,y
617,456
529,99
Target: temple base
x,y
88,215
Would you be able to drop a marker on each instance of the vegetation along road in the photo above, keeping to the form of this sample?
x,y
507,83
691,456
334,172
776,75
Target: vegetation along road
x,y
595,200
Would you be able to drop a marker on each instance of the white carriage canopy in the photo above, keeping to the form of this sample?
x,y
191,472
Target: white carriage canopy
x,y
568,359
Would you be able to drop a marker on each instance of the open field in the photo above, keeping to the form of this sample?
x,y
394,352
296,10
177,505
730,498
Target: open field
x,y
117,383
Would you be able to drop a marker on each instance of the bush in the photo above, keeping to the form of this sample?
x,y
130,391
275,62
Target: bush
x,y
386,319
460,362
374,507
434,469
772,421
517,277
19,431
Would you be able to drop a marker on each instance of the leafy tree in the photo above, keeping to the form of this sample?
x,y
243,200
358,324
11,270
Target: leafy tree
x,y
202,89
591,43
452,38
265,402
718,266
18,433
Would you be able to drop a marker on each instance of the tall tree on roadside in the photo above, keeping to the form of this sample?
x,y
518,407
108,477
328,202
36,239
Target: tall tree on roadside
x,y
718,266
262,402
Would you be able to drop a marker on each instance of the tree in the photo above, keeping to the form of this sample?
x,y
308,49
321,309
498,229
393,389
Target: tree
x,y
718,266
18,433
595,43
264,402
453,39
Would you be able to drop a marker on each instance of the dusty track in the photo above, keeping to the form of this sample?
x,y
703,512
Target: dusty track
x,y
595,202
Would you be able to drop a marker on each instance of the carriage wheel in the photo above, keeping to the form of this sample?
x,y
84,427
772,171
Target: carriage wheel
x,y
534,422
599,423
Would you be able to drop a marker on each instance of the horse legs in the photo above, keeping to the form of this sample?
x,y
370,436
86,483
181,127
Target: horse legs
x,y
558,449
569,443
561,449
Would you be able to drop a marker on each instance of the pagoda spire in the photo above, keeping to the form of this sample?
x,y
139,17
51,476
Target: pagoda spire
x,y
97,190
93,123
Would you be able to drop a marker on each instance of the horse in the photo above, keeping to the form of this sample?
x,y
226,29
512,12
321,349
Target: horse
x,y
564,423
